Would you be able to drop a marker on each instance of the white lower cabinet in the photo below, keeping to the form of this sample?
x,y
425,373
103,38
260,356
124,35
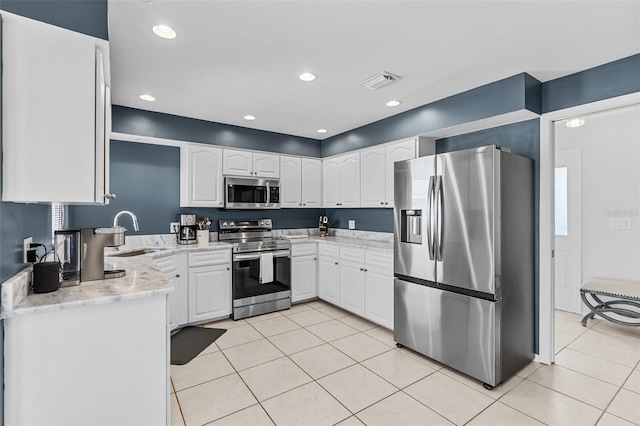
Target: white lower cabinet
x,y
352,280
304,276
358,280
378,291
202,282
328,272
209,285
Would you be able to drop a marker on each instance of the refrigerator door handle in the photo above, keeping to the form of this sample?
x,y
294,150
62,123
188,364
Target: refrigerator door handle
x,y
439,217
430,239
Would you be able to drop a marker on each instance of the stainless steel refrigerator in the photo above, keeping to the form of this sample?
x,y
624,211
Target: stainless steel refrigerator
x,y
464,260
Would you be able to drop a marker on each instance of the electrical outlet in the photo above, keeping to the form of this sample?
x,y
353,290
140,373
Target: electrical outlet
x,y
25,247
175,227
352,224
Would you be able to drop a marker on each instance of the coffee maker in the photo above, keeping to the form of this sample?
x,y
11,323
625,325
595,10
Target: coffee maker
x,y
67,251
187,233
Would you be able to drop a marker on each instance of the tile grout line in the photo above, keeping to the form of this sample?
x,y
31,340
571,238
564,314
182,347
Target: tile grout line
x,y
616,395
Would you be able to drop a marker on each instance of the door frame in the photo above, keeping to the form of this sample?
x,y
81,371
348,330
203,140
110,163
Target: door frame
x,y
547,210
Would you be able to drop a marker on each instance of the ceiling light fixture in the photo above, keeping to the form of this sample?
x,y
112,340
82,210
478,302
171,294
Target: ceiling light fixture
x,y
164,31
249,117
576,122
147,98
393,103
321,130
307,76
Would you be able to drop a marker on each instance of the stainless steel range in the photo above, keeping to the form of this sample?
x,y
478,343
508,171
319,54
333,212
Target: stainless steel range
x,y
261,267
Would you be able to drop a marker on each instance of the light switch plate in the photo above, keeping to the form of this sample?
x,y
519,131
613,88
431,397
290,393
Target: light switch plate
x,y
352,224
175,227
26,245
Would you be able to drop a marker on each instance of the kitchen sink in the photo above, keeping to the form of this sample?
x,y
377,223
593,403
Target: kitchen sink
x,y
138,252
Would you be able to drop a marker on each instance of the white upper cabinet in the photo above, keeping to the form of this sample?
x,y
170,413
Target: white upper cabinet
x,y
311,182
372,164
266,165
247,163
290,181
400,151
56,114
341,181
201,182
300,182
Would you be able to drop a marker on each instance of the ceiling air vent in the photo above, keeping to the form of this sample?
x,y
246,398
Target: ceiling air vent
x,y
381,79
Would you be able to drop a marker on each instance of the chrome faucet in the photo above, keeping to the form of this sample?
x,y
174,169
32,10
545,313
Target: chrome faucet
x,y
133,217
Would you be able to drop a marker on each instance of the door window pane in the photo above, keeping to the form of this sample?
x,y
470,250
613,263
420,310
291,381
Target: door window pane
x,y
562,214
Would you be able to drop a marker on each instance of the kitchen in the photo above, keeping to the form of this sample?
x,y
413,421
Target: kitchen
x,y
154,170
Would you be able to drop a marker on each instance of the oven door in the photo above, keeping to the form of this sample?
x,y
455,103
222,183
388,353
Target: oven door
x,y
250,286
252,193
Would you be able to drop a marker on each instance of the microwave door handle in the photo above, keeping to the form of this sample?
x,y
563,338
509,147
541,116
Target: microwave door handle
x,y
268,194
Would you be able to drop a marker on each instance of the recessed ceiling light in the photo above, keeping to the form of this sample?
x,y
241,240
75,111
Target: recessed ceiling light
x,y
576,122
249,117
393,103
164,31
321,130
147,98
307,76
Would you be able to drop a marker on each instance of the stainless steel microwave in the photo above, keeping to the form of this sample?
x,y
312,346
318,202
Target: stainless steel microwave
x,y
251,193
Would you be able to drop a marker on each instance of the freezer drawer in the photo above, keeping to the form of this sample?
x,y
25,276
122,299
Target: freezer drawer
x,y
456,330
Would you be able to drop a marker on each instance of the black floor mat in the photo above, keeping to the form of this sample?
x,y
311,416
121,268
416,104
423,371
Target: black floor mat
x,y
187,343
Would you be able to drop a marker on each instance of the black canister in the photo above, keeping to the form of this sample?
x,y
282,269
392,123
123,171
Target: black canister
x,y
46,277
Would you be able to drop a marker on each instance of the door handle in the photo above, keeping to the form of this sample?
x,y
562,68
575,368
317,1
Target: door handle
x,y
440,217
430,219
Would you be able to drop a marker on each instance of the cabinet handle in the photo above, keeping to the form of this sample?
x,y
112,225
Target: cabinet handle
x,y
304,204
381,202
110,196
362,269
365,269
177,275
336,263
300,204
315,258
228,268
386,203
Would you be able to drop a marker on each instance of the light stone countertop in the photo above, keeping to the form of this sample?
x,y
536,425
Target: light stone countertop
x,y
143,278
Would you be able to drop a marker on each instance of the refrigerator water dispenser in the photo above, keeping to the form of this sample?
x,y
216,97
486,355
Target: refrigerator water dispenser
x,y
411,226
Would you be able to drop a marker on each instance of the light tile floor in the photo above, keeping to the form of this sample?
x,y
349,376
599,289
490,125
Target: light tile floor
x,y
317,365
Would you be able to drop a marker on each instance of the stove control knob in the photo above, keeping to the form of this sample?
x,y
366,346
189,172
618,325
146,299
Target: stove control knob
x,y
230,223
224,224
267,222
261,223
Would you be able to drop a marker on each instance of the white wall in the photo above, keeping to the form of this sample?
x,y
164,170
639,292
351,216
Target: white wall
x,y
610,147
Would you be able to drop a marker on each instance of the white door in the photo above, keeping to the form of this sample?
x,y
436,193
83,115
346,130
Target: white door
x,y
201,176
568,229
352,286
303,278
209,292
350,180
311,182
266,165
237,163
328,278
378,290
372,177
396,152
331,182
290,181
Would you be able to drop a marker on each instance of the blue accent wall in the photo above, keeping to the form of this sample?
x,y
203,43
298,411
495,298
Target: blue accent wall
x,y
147,123
146,179
510,94
617,78
84,16
367,219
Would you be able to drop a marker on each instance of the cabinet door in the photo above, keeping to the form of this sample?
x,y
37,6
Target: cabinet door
x,y
311,182
328,279
350,180
372,177
304,278
209,292
237,163
378,304
352,286
266,165
400,151
331,182
290,181
201,176
55,115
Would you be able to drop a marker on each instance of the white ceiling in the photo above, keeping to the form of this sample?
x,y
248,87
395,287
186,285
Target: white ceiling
x,y
233,58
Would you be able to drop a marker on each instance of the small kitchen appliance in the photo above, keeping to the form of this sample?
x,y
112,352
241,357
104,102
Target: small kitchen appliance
x,y
46,277
261,275
187,234
66,247
251,193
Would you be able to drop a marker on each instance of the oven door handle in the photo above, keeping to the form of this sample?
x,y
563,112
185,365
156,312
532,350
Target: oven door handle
x,y
254,256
